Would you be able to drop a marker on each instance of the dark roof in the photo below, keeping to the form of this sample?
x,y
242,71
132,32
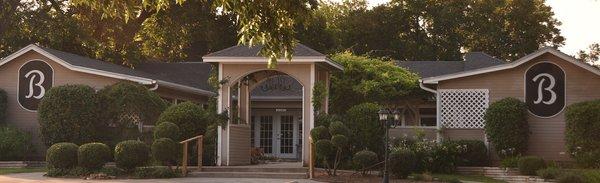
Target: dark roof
x,y
245,51
473,60
193,74
277,87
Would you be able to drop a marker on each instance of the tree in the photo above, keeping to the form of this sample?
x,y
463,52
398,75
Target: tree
x,y
592,55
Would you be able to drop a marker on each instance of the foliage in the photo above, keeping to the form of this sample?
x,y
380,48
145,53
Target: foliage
x,y
571,177
191,118
583,123
324,148
167,130
320,133
131,153
368,80
363,122
319,94
324,119
338,128
432,156
14,144
402,162
475,153
506,126
510,162
332,151
166,151
155,172
591,55
3,106
69,113
126,107
93,156
62,155
529,165
549,173
364,159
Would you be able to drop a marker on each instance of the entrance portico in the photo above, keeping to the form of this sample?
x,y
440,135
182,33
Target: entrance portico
x,y
240,71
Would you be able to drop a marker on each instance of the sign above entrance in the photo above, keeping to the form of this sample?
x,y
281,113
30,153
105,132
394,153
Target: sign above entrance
x,y
35,78
545,89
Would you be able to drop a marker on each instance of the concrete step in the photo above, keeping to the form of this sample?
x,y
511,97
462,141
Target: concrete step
x,y
254,169
271,175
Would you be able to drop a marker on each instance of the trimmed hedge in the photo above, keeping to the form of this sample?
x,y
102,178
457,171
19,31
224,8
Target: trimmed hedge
x,y
403,162
167,130
131,153
14,144
93,156
62,155
529,165
474,153
319,133
583,132
68,113
364,159
166,151
191,118
3,106
506,126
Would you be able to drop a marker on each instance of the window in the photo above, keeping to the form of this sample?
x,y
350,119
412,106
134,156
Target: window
x,y
428,116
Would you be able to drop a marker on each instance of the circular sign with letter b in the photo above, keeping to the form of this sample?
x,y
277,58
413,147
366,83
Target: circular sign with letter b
x,y
35,78
545,89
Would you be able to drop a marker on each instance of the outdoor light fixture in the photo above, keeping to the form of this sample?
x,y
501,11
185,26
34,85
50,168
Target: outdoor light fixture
x,y
387,122
383,114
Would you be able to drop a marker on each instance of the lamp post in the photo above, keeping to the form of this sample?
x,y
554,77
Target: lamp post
x,y
385,116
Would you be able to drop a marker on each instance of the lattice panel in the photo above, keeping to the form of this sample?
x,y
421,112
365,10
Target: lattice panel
x,y
463,108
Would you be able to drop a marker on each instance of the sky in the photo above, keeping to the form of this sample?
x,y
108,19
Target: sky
x,y
580,22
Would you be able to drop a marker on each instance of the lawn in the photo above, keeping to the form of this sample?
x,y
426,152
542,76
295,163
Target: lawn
x,y
4,171
477,178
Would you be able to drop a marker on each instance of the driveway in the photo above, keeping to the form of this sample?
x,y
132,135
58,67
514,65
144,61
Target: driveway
x,y
39,178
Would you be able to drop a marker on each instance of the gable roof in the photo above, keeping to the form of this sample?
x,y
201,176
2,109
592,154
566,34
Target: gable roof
x,y
244,51
522,60
91,66
193,74
472,60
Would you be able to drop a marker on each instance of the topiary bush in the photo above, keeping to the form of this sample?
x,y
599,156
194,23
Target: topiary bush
x,y
506,126
402,163
166,151
62,155
473,153
364,159
338,128
320,133
167,130
324,119
14,144
582,133
131,153
3,106
529,165
69,113
191,119
367,133
93,156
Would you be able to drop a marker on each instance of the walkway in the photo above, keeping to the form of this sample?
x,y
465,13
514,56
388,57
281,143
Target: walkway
x,y
39,178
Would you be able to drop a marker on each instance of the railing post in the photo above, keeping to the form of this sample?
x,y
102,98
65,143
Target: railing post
x,y
185,159
200,153
311,157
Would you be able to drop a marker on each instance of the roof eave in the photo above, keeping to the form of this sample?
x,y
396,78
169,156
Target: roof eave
x,y
186,88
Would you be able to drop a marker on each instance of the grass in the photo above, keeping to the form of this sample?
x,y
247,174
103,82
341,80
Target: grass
x,y
4,171
478,178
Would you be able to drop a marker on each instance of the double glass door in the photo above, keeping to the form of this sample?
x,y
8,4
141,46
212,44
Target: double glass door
x,y
278,134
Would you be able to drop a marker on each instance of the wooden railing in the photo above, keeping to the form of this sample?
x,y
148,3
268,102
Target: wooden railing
x,y
185,143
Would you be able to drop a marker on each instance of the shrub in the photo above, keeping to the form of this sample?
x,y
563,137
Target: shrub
x,y
473,153
155,172
191,119
338,128
339,141
367,133
68,113
93,156
324,148
62,155
319,133
3,106
130,154
402,163
571,177
549,173
166,151
167,130
510,162
583,132
14,144
529,165
325,119
364,159
506,126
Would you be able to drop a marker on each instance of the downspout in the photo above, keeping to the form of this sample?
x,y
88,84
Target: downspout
x,y
437,109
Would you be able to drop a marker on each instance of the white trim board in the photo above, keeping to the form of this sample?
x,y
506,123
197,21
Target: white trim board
x,y
522,60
